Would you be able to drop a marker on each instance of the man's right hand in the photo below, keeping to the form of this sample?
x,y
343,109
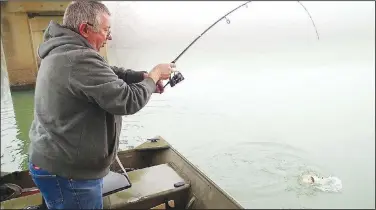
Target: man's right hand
x,y
161,71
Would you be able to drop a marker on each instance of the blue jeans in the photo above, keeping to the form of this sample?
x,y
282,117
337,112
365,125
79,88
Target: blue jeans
x,y
63,193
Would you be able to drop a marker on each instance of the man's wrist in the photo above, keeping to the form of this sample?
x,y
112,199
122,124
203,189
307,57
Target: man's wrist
x,y
146,75
153,76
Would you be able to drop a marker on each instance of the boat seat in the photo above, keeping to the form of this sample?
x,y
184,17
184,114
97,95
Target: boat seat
x,y
114,182
150,187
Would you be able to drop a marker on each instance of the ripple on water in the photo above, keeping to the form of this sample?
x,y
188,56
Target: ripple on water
x,y
256,170
11,150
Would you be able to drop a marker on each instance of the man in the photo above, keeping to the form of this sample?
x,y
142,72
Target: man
x,y
79,101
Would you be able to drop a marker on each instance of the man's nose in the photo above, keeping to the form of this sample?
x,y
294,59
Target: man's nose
x,y
109,37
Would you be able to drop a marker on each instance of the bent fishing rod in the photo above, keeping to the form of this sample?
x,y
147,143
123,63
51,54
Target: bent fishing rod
x,y
177,77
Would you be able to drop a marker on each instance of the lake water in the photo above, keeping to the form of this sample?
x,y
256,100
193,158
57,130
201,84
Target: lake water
x,y
263,100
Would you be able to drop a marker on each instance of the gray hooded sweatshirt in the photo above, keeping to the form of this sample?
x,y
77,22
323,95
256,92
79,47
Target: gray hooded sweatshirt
x,y
79,101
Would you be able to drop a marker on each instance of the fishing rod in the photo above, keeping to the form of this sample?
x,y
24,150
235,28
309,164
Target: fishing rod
x,y
177,77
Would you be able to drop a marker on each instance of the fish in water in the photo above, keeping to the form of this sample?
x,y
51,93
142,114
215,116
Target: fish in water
x,y
326,184
312,179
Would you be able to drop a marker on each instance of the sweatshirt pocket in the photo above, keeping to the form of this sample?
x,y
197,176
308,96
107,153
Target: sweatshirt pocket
x,y
111,142
92,148
113,128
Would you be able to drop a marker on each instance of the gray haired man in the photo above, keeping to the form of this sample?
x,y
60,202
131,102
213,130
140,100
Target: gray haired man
x,y
79,101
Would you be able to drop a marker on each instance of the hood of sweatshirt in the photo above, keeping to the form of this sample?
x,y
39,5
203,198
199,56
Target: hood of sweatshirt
x,y
56,36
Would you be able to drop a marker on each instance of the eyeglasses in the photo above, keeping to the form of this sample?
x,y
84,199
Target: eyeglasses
x,y
108,32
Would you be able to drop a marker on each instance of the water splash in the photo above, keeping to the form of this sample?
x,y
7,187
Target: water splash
x,y
325,184
310,183
332,184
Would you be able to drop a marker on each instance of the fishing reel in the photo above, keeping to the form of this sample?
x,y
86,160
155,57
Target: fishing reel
x,y
175,78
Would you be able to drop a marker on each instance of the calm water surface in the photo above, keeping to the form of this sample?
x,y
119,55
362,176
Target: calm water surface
x,y
253,115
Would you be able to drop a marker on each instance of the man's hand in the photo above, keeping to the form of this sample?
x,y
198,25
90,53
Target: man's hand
x,y
160,88
159,84
161,71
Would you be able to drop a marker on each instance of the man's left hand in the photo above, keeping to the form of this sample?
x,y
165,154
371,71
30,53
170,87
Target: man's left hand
x,y
159,84
160,88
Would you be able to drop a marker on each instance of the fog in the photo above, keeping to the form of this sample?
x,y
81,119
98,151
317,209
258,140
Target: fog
x,y
266,80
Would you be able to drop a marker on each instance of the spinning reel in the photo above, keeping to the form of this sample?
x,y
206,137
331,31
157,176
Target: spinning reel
x,y
175,78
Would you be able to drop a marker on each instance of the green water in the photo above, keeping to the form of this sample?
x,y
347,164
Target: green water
x,y
23,104
16,118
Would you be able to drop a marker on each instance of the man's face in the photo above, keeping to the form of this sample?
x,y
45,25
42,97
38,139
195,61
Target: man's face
x,y
99,39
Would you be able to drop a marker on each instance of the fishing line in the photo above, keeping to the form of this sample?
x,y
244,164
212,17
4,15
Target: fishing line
x,y
177,77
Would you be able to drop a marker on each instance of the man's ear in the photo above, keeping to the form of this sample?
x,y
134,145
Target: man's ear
x,y
83,30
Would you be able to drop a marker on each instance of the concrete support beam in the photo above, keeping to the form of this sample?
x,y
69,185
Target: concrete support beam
x,y
22,25
18,48
35,6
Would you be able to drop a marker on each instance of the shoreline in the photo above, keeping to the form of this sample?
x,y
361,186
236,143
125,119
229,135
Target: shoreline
x,y
25,87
